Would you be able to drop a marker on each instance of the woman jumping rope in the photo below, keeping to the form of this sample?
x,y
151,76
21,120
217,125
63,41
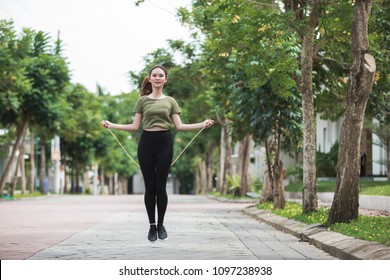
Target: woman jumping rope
x,y
157,112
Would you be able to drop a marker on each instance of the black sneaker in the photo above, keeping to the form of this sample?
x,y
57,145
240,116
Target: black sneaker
x,y
162,233
152,236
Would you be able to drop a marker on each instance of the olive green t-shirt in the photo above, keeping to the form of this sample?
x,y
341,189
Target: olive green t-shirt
x,y
156,112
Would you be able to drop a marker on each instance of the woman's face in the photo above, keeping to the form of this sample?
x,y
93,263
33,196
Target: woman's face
x,y
157,77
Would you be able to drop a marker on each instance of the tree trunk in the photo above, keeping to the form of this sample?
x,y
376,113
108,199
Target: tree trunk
x,y
19,139
124,182
203,177
222,159
200,178
64,164
245,156
11,190
42,171
72,183
209,167
388,157
116,187
77,178
268,153
110,185
226,163
32,162
278,187
266,193
345,206
229,161
86,184
279,200
197,180
22,170
102,180
309,191
19,163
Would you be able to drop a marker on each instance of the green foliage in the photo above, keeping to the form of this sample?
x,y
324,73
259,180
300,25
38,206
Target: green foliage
x,y
250,59
80,125
333,57
13,81
378,105
367,228
234,183
49,75
256,185
296,171
26,195
294,211
118,109
380,188
33,79
327,162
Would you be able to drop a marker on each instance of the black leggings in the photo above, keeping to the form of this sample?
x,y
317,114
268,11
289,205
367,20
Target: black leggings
x,y
155,152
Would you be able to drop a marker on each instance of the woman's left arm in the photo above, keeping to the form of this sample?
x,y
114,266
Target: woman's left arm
x,y
187,127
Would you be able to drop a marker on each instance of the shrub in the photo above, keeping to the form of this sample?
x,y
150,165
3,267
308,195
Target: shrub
x,y
326,162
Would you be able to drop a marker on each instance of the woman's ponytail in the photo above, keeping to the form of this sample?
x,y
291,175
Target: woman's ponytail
x,y
146,87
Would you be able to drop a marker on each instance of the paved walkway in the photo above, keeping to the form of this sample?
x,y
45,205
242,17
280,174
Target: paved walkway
x,y
115,227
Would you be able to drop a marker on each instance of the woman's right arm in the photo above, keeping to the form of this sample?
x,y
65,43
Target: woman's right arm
x,y
128,127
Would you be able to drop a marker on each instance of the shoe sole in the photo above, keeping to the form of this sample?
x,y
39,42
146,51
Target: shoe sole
x,y
151,242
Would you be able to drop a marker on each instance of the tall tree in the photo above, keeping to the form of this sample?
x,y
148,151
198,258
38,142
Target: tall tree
x,y
309,191
251,62
47,73
225,155
345,206
80,141
307,13
14,85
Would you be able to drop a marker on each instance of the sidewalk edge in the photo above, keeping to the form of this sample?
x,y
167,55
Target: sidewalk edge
x,y
336,244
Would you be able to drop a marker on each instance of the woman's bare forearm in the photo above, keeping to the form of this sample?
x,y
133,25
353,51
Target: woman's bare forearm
x,y
125,127
188,127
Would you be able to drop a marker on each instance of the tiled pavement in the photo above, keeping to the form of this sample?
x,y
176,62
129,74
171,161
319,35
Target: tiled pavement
x,y
115,228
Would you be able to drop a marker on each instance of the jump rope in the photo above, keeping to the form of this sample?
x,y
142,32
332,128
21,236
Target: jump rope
x,y
136,163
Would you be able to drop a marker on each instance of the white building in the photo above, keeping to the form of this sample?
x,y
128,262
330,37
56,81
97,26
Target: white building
x,y
328,133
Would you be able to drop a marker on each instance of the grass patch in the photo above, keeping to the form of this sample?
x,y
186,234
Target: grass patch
x,y
368,228
381,188
19,195
34,194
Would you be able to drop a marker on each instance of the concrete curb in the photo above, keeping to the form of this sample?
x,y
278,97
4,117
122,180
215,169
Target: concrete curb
x,y
336,244
227,200
381,203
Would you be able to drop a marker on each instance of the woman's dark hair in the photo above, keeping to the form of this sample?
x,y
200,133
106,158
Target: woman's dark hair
x,y
146,86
